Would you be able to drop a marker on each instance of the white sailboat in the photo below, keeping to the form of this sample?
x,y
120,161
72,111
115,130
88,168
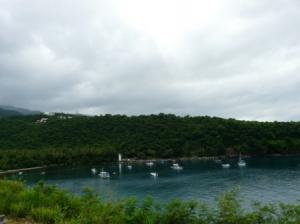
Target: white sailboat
x,y
241,162
93,170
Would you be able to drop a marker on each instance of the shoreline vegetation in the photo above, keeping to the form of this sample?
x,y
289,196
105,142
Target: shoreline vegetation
x,y
68,139
124,161
134,160
48,204
5,172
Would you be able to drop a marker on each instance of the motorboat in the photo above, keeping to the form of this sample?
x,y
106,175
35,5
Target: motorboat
x,y
218,161
150,163
104,175
154,174
129,167
225,165
176,166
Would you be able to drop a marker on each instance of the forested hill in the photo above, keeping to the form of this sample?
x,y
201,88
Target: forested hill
x,y
8,113
12,111
150,136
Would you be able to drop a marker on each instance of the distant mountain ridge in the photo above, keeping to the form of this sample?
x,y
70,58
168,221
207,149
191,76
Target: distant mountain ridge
x,y
9,111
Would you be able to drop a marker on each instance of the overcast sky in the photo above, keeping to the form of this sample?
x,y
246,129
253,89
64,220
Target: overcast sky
x,y
227,58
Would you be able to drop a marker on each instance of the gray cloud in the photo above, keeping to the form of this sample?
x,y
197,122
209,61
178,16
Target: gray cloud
x,y
229,59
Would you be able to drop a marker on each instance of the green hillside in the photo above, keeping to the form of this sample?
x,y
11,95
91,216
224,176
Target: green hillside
x,y
145,136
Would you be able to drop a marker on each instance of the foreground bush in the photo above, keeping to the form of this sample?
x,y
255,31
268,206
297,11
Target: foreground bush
x,y
47,204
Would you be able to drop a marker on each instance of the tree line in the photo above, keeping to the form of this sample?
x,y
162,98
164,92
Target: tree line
x,y
80,138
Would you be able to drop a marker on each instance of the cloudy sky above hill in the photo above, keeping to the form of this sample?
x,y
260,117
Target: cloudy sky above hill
x,y
227,58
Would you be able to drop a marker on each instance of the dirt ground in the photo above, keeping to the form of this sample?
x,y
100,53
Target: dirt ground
x,y
18,221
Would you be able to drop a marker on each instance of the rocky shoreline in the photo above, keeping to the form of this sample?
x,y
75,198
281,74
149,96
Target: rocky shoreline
x,y
135,160
2,173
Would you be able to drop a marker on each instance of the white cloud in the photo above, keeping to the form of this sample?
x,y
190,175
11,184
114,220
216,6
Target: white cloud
x,y
221,58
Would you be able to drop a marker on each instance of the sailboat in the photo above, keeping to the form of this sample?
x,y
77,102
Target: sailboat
x,y
241,162
93,170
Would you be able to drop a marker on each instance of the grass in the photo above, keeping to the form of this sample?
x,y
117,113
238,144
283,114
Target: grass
x,y
48,204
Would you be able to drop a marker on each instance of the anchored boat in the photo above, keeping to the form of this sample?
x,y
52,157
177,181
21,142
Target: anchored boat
x,y
241,162
104,175
176,166
226,165
154,174
150,163
93,170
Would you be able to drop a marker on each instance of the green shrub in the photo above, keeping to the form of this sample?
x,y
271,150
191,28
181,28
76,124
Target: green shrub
x,y
46,215
19,209
48,204
229,208
178,212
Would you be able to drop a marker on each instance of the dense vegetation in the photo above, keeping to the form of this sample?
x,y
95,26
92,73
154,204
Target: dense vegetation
x,y
47,204
23,142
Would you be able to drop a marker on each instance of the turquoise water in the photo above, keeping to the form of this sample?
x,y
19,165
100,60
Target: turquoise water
x,y
263,179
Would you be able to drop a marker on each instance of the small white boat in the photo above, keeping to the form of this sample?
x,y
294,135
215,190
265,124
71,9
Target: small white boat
x,y
20,173
176,166
129,167
154,174
218,161
226,165
241,162
43,173
93,170
149,163
104,175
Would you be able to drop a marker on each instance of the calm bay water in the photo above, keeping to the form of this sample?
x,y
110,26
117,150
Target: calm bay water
x,y
264,179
